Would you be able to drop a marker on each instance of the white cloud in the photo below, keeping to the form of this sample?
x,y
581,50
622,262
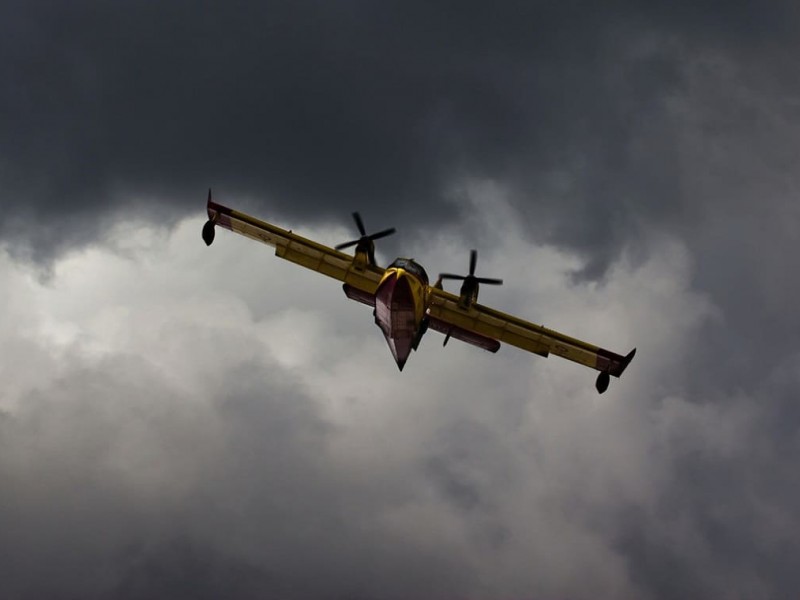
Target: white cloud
x,y
224,397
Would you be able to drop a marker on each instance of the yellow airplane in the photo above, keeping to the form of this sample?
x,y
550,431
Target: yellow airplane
x,y
406,305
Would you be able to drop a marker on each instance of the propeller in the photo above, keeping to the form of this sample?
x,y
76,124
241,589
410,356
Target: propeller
x,y
365,240
471,279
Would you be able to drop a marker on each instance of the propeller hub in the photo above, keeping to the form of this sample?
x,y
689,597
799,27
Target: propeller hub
x,y
365,243
471,279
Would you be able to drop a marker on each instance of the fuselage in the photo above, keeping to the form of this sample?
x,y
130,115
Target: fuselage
x,y
400,307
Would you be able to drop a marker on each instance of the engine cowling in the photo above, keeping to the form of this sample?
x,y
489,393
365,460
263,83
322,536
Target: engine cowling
x,y
469,288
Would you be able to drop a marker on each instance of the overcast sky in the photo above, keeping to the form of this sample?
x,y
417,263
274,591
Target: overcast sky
x,y
179,421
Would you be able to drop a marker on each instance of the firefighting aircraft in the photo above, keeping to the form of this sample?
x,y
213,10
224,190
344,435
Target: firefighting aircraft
x,y
406,305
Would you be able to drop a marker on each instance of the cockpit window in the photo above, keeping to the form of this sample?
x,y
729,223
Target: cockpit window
x,y
410,266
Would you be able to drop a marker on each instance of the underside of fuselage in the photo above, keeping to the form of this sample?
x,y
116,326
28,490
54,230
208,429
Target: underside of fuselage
x,y
398,312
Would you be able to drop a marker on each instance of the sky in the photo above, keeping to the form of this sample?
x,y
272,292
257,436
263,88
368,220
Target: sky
x,y
179,421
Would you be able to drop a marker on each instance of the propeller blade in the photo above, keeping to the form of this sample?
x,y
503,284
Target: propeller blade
x,y
365,240
346,245
489,281
381,234
473,261
359,223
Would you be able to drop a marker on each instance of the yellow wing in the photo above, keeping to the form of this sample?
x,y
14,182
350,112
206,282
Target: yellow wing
x,y
537,339
354,271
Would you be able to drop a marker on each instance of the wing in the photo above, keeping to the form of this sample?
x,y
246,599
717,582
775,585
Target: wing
x,y
490,323
354,272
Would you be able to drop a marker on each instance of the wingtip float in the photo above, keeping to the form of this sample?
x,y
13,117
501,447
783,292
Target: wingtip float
x,y
406,305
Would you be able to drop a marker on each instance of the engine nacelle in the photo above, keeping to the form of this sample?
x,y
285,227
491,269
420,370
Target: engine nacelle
x,y
469,289
468,294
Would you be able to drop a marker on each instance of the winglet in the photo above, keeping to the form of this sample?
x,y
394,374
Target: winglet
x,y
616,368
625,362
613,363
628,359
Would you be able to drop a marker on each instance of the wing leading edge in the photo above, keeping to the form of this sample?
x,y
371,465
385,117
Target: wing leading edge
x,y
537,339
292,247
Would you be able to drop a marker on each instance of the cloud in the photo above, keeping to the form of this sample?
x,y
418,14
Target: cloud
x,y
305,110
177,421
177,430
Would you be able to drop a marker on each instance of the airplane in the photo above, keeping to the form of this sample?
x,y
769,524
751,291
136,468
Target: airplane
x,y
406,306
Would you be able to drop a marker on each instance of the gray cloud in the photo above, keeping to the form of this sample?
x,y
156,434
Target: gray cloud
x,y
649,150
121,480
183,439
316,109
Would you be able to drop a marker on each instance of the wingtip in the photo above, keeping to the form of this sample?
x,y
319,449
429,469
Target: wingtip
x,y
620,363
616,368
630,356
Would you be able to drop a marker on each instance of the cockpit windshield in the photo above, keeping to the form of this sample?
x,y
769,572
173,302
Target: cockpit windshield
x,y
410,266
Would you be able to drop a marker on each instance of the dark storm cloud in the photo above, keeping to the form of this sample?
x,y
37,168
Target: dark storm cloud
x,y
606,127
316,108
